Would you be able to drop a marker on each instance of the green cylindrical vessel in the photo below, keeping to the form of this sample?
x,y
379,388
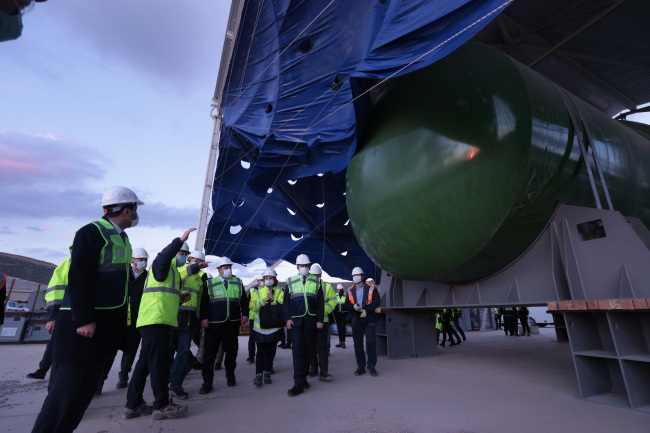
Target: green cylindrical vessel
x,y
463,161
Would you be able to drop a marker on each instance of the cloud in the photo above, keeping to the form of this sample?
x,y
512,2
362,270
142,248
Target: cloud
x,y
5,230
177,42
41,252
36,229
162,215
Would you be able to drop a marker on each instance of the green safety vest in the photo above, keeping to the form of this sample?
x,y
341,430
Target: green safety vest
x,y
496,311
340,299
252,314
257,301
160,299
194,286
329,298
224,303
111,288
438,322
303,297
58,285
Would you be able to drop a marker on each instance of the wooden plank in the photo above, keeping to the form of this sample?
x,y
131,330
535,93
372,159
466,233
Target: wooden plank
x,y
552,306
564,305
592,305
640,304
579,305
625,304
604,305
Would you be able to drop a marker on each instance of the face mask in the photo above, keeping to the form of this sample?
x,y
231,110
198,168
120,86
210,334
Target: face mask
x,y
269,283
11,26
227,273
260,284
141,266
180,261
134,222
356,279
303,272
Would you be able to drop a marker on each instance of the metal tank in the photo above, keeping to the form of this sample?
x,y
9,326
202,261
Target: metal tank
x,y
463,162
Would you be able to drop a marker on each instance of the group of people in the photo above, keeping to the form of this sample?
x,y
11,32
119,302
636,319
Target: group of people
x,y
511,315
105,297
448,325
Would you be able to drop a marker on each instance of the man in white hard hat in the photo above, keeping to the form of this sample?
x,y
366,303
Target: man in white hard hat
x,y
182,256
92,320
363,299
227,309
194,282
320,353
259,283
340,315
303,312
130,349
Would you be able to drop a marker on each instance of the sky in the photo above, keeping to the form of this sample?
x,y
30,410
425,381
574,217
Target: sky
x,y
101,93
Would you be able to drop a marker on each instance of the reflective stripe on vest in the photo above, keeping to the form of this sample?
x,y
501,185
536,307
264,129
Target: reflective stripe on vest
x,y
257,301
329,298
58,284
303,297
112,285
159,303
351,294
224,302
251,312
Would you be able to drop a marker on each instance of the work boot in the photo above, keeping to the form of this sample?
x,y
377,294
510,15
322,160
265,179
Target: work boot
x,y
464,338
122,383
170,411
258,380
458,342
313,373
343,347
339,345
217,366
442,344
250,360
452,344
197,365
360,371
296,390
324,377
205,388
267,377
373,372
38,374
306,384
100,385
179,393
143,409
230,380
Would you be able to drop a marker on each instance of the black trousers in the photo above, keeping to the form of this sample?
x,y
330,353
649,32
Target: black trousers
x,y
265,356
282,338
458,328
340,325
220,333
153,362
525,328
289,331
128,355
251,344
46,362
448,330
319,356
303,342
510,325
69,393
497,320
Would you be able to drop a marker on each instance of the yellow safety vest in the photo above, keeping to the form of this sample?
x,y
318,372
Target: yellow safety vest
x,y
160,299
257,301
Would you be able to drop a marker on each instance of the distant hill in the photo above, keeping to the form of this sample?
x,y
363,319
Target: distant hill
x,y
26,268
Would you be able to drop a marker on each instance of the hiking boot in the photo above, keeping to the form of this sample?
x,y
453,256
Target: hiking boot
x,y
360,371
122,383
230,380
100,385
373,372
170,411
343,347
217,366
339,345
250,360
267,377
180,393
296,390
205,388
258,380
324,377
38,374
313,373
143,409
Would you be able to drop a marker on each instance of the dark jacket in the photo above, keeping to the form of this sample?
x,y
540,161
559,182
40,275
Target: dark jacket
x,y
307,321
371,316
136,286
205,303
67,345
523,312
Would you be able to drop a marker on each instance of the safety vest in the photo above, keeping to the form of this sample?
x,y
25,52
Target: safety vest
x,y
194,286
496,311
160,299
257,301
303,297
58,285
112,285
352,290
329,298
438,322
224,302
340,299
252,314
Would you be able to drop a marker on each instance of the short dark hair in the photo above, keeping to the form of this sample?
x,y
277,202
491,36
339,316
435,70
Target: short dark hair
x,y
113,214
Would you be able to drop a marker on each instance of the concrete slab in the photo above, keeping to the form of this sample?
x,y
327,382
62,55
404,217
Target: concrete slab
x,y
489,384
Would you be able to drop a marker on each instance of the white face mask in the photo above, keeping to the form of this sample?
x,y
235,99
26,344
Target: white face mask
x,y
356,279
269,283
227,273
141,266
260,284
304,271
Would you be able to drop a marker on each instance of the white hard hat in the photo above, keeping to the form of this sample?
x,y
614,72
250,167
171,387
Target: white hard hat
x,y
259,277
223,262
185,247
315,269
302,260
339,286
371,280
140,253
198,254
357,271
270,273
120,195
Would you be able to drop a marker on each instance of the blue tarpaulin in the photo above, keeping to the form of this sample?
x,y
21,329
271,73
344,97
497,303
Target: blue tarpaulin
x,y
295,102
